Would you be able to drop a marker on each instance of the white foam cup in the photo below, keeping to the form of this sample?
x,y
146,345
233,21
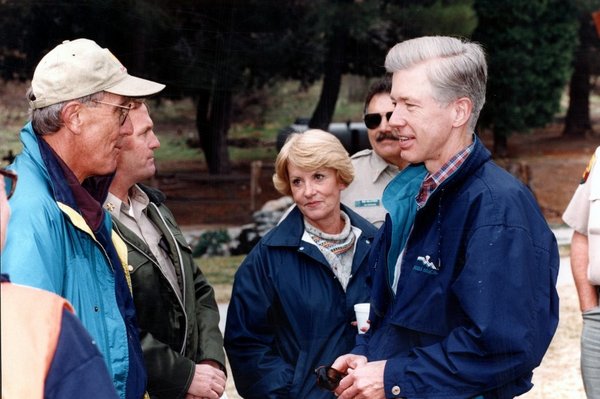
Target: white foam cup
x,y
362,315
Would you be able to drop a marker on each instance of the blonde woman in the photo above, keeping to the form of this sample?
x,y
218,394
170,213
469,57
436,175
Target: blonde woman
x,y
292,303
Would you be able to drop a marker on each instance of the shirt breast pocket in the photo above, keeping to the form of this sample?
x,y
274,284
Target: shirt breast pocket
x,y
594,218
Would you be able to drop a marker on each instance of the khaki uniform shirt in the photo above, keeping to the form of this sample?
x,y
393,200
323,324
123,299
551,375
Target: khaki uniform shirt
x,y
371,175
583,215
133,216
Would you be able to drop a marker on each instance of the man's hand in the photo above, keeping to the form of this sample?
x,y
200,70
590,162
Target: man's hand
x,y
208,381
364,382
347,363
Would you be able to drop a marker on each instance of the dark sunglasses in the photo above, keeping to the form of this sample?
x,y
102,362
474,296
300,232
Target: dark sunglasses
x,y
10,181
328,378
374,120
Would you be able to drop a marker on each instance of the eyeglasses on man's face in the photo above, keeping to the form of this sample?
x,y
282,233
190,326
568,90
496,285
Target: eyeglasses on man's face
x,y
124,109
328,378
10,181
373,121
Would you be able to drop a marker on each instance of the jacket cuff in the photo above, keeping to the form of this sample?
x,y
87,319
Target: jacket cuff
x,y
394,381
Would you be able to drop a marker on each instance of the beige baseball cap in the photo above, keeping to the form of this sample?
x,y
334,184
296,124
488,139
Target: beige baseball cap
x,y
79,68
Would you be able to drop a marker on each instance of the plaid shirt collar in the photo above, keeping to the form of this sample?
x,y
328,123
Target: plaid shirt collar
x,y
432,181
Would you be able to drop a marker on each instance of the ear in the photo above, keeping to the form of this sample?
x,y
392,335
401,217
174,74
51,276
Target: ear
x,y
462,111
71,116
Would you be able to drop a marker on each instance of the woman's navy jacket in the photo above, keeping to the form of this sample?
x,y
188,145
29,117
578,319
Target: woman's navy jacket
x,y
289,314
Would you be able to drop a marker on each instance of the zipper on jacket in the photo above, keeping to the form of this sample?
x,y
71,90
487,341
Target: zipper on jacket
x,y
92,236
178,252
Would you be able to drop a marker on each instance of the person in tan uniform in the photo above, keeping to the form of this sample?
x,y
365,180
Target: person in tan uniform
x,y
583,215
374,168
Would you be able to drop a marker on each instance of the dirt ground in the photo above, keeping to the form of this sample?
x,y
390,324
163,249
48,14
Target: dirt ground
x,y
199,199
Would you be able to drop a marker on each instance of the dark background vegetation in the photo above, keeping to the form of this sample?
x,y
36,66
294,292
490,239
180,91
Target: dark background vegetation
x,y
224,55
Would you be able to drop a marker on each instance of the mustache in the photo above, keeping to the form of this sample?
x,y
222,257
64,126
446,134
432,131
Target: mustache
x,y
386,136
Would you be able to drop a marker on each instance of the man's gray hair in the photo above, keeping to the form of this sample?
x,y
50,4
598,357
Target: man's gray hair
x,y
459,68
48,120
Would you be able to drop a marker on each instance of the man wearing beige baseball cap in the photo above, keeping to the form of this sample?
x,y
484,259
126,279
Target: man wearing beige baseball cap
x,y
62,240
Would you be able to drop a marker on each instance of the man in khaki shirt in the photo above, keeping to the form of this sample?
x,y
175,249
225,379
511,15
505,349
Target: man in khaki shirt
x,y
583,215
175,305
375,168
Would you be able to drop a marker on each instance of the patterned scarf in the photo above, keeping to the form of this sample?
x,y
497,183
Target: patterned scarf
x,y
338,249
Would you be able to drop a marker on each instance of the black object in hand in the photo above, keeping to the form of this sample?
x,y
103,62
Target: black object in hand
x,y
328,378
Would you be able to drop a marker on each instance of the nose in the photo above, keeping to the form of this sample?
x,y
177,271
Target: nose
x,y
309,189
397,119
154,142
126,128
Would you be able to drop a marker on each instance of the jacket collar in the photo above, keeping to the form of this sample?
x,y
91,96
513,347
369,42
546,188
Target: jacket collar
x,y
86,198
113,204
289,232
479,155
52,172
155,196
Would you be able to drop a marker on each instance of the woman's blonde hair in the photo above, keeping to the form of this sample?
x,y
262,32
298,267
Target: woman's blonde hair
x,y
312,150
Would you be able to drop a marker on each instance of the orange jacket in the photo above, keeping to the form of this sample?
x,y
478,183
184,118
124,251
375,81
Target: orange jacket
x,y
31,322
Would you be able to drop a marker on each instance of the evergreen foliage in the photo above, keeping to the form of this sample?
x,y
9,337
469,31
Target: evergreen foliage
x,y
529,47
215,51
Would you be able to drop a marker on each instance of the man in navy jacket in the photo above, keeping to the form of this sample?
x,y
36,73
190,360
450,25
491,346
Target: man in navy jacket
x,y
463,303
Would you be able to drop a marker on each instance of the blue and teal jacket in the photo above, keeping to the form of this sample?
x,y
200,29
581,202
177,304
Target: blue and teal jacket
x,y
476,305
50,246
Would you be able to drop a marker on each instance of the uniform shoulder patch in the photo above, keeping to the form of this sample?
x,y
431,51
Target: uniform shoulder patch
x,y
586,172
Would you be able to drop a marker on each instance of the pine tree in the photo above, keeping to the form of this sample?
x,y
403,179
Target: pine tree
x,y
529,47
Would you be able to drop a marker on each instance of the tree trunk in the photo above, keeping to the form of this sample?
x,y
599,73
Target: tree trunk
x,y
220,102
577,120
213,122
219,127
202,119
332,81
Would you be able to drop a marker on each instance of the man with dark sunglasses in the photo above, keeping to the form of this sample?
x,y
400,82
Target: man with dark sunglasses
x,y
61,238
375,167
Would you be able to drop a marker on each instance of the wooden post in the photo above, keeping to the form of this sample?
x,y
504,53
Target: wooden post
x,y
255,190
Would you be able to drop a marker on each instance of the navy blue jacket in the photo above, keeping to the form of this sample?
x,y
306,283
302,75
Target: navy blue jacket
x,y
288,314
476,305
77,369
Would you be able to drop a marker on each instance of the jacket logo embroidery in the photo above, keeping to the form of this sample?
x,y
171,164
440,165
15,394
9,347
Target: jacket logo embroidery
x,y
424,265
366,203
